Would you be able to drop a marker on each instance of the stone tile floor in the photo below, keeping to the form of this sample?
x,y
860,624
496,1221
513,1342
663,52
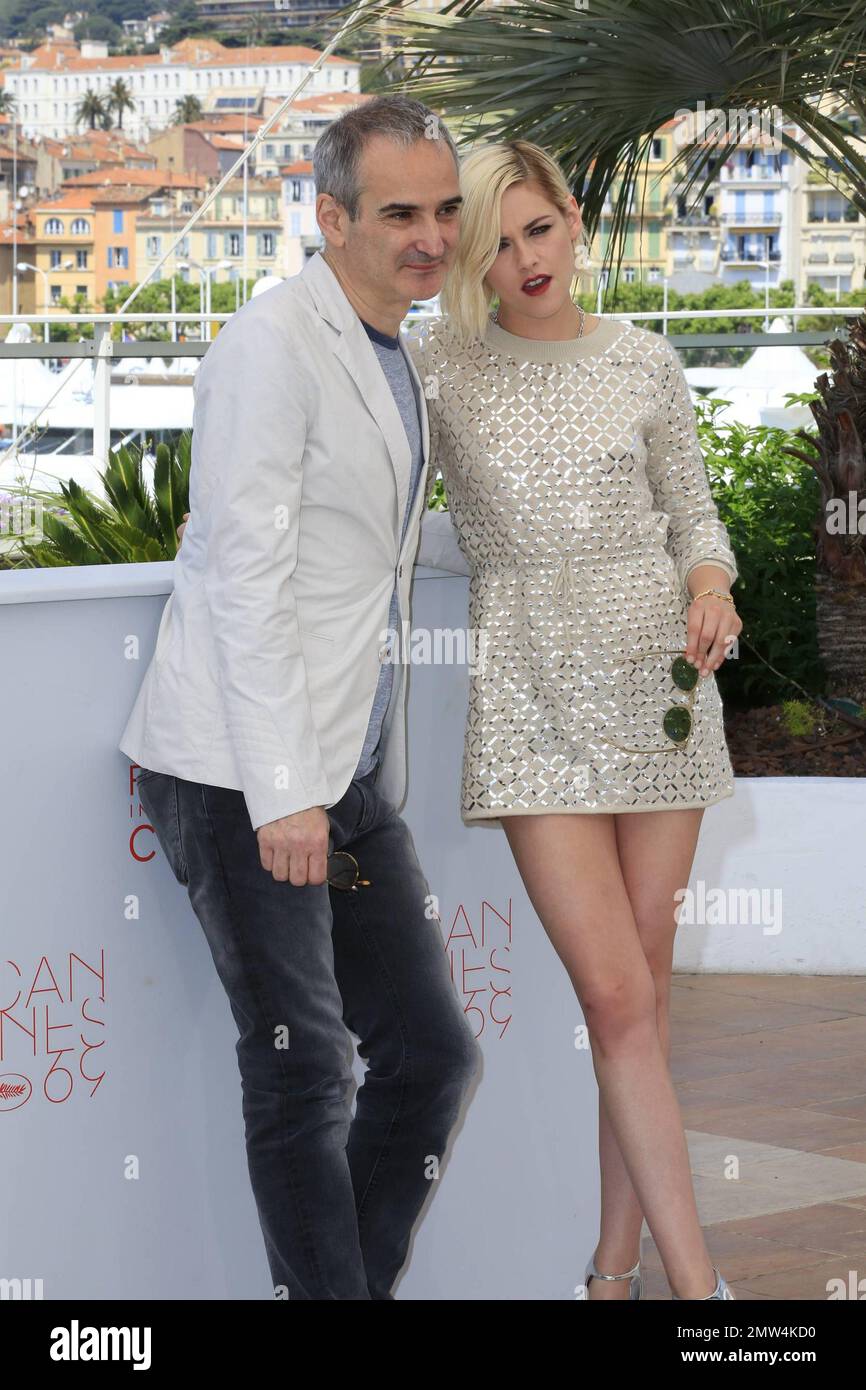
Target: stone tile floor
x,y
770,1072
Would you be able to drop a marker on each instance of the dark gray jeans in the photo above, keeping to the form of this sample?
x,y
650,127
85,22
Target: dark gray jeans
x,y
337,1196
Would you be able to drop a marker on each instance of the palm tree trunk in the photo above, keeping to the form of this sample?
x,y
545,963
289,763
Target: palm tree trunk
x,y
841,620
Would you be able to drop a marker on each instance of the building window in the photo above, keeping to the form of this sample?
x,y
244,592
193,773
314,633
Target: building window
x,y
154,245
118,256
55,260
117,223
269,151
267,243
295,223
233,244
296,190
81,290
81,260
54,227
55,294
80,227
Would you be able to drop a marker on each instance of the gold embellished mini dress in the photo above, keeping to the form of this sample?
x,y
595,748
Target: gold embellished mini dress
x,y
580,499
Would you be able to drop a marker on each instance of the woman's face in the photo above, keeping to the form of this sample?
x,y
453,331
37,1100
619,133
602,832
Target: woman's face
x,y
534,269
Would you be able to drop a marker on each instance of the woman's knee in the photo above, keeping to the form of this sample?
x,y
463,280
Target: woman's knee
x,y
619,1010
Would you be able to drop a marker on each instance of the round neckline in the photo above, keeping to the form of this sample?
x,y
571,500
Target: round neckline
x,y
552,349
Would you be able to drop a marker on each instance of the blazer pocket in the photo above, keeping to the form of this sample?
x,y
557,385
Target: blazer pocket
x,y
322,636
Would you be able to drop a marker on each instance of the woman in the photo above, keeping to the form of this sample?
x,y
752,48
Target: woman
x,y
579,495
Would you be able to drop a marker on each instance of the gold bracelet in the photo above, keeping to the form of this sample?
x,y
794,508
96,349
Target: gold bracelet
x,y
718,593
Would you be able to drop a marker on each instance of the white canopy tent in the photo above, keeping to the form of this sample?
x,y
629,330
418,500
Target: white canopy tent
x,y
756,391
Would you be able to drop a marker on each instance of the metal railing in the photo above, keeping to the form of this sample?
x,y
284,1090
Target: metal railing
x,y
104,352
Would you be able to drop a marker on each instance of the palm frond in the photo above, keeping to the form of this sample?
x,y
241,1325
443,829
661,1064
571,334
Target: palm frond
x,y
594,86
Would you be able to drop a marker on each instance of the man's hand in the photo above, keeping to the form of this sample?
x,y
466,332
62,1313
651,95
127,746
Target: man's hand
x,y
295,848
180,530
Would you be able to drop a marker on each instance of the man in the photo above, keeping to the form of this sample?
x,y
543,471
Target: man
x,y
272,718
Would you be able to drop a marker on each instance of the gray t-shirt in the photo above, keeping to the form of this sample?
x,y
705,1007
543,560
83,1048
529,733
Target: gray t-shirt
x,y
392,357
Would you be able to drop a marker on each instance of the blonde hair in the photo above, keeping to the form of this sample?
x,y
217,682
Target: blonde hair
x,y
484,176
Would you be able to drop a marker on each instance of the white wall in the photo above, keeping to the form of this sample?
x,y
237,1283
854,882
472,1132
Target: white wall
x,y
514,1215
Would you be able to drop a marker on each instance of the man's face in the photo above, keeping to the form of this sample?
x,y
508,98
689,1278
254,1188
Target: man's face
x,y
403,240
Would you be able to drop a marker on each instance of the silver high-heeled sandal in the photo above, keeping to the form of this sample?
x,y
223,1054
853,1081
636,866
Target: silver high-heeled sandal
x,y
636,1284
720,1291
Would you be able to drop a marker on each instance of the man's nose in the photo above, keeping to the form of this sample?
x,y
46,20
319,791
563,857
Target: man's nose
x,y
431,242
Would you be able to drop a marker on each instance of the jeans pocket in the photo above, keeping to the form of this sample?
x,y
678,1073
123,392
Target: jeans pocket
x,y
158,796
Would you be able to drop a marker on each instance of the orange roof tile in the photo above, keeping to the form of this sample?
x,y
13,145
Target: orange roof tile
x,y
273,54
190,51
73,198
132,193
259,182
301,166
319,103
154,178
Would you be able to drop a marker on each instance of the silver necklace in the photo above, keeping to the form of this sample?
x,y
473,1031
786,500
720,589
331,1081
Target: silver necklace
x,y
577,306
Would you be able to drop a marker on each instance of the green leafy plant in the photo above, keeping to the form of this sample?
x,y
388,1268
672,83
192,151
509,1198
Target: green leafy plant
x,y
131,525
767,501
798,717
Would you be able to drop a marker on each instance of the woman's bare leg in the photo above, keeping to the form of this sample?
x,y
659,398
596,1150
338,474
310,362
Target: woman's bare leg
x,y
656,853
571,868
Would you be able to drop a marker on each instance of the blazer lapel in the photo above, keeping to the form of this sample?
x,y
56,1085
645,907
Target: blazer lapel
x,y
355,351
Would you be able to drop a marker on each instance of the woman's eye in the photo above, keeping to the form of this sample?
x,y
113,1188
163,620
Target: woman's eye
x,y
546,228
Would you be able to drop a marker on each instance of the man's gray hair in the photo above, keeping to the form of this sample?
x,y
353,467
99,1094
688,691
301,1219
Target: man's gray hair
x,y
337,153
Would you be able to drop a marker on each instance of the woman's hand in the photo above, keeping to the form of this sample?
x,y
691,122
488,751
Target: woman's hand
x,y
710,622
180,530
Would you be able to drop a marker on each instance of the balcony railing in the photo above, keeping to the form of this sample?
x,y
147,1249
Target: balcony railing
x,y
847,215
730,255
694,219
752,219
759,173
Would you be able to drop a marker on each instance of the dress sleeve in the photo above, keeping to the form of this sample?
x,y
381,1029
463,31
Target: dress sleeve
x,y
677,476
439,546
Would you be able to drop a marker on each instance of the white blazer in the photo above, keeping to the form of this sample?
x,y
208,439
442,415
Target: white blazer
x,y
269,648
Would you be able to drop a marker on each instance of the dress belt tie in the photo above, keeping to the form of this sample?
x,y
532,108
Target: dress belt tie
x,y
564,585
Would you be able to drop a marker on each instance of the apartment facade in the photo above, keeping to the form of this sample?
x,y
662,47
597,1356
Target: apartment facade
x,y
221,244
49,84
64,251
645,255
828,231
295,135
302,234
